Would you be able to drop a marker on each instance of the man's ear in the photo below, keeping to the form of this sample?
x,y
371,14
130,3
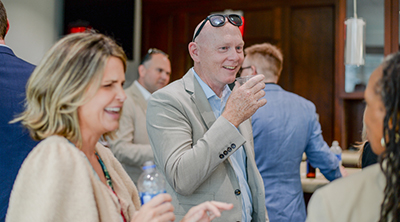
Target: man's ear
x,y
194,51
8,27
142,71
253,68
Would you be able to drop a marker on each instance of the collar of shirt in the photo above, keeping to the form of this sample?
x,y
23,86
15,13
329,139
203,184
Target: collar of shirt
x,y
217,104
146,94
5,46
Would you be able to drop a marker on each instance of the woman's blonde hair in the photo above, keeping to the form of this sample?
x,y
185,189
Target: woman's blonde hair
x,y
58,85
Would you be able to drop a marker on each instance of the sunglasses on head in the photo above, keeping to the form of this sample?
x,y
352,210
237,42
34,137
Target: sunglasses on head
x,y
151,51
218,20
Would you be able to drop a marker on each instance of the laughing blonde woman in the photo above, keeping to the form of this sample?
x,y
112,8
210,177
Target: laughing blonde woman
x,y
74,97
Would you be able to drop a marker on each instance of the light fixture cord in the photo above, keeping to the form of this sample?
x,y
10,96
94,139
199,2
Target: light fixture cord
x,y
355,8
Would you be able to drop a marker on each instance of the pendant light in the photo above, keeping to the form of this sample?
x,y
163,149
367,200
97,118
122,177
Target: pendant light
x,y
354,52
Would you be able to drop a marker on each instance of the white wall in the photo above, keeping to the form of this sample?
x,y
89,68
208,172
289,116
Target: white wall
x,y
131,72
35,25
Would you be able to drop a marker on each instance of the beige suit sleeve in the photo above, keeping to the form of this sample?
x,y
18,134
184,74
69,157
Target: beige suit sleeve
x,y
125,147
53,185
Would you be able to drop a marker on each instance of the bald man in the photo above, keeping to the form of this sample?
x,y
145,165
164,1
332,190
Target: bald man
x,y
131,145
200,131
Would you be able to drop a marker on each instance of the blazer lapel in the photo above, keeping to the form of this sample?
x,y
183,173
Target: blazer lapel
x,y
137,97
192,86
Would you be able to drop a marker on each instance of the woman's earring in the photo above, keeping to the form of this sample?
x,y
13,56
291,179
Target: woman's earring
x,y
383,144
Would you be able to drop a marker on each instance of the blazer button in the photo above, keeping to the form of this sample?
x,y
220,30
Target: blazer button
x,y
226,152
221,156
237,192
233,146
229,149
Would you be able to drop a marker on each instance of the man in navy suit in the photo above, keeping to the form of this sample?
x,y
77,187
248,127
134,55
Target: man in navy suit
x,y
15,143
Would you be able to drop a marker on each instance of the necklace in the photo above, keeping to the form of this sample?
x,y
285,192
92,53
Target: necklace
x,y
106,174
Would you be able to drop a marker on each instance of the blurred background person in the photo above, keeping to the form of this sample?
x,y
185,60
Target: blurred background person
x,y
374,193
74,97
131,145
283,130
15,140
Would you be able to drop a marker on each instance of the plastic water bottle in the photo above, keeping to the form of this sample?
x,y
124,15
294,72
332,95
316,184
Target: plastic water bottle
x,y
150,183
335,148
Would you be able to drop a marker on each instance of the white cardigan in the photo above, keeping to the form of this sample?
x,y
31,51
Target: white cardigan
x,y
57,183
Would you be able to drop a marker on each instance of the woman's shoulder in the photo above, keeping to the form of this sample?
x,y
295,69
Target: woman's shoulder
x,y
347,197
54,153
369,177
53,141
58,146
53,175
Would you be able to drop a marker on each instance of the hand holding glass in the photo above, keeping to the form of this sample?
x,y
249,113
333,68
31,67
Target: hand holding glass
x,y
243,79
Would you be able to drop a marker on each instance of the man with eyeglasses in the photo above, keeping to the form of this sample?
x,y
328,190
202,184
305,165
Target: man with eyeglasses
x,y
283,130
131,146
200,131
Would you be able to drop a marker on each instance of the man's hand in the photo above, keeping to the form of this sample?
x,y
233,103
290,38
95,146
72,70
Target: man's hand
x,y
245,100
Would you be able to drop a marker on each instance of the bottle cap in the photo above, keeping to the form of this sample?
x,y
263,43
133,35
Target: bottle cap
x,y
148,165
335,143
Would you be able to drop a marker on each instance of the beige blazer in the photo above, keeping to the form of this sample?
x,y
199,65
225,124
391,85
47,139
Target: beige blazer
x,y
356,198
192,149
57,183
131,146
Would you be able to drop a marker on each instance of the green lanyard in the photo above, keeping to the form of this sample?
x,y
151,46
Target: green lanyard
x,y
106,174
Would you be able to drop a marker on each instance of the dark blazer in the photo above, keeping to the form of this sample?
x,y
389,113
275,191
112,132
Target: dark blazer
x,y
15,143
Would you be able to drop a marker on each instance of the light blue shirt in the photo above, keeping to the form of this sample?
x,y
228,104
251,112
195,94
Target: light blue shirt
x,y
238,158
4,46
283,130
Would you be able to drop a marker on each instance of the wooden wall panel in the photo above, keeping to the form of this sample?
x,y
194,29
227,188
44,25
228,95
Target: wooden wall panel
x,y
312,56
354,111
260,27
157,35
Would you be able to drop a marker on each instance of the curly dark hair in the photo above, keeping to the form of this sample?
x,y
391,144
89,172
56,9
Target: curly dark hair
x,y
389,88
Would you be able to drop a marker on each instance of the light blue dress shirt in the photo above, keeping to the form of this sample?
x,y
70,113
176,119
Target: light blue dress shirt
x,y
238,158
283,130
